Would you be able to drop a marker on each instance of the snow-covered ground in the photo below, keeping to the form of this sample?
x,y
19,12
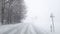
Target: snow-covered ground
x,y
21,28
28,28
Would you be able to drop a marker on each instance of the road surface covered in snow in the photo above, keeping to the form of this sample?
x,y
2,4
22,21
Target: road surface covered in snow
x,y
21,28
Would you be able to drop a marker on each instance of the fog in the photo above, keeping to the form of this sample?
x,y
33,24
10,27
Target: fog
x,y
38,12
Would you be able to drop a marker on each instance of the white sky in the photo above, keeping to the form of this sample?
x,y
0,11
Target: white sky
x,y
38,11
37,8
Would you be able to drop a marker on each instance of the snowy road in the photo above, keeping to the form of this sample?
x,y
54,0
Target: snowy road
x,y
21,28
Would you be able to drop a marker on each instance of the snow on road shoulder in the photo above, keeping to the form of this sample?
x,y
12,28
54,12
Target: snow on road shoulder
x,y
21,28
4,28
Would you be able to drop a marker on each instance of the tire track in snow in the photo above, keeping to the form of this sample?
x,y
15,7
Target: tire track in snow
x,y
36,30
29,30
32,31
22,29
26,30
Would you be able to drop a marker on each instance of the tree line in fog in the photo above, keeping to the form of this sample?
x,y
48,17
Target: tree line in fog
x,y
12,11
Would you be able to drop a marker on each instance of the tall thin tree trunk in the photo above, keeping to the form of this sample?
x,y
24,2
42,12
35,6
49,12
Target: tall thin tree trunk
x,y
9,12
2,11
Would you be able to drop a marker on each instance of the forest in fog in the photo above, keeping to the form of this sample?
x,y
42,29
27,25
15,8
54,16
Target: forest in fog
x,y
12,11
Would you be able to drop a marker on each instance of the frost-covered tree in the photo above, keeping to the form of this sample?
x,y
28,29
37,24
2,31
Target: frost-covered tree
x,y
14,11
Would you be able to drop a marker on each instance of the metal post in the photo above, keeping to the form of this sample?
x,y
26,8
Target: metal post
x,y
52,25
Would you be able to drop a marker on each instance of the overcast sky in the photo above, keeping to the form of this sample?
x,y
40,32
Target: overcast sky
x,y
38,11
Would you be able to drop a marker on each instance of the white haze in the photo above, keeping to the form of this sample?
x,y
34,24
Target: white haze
x,y
38,12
